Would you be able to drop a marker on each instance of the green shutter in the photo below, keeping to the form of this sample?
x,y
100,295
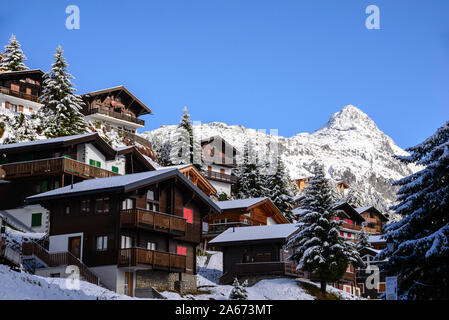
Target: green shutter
x,y
114,169
36,219
98,164
44,186
92,162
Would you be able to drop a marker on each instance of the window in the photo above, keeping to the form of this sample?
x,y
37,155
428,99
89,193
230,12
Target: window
x,y
114,169
128,204
56,184
126,242
188,215
371,215
222,220
15,87
36,219
342,234
102,243
85,206
181,250
14,107
245,221
67,209
151,246
102,205
336,218
153,200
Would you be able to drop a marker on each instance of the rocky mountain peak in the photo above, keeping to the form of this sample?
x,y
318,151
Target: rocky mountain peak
x,y
351,118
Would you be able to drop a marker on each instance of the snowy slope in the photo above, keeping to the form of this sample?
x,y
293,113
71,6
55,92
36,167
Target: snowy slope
x,y
349,145
23,286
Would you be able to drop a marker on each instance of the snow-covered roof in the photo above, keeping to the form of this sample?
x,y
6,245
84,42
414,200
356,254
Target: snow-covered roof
x,y
362,209
377,239
156,165
45,141
239,203
118,183
274,231
4,181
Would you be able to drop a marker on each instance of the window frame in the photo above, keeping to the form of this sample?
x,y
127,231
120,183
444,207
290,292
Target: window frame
x,y
104,243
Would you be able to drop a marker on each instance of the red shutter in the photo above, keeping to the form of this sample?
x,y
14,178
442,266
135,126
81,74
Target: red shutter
x,y
7,105
188,215
15,87
20,108
342,234
31,110
181,250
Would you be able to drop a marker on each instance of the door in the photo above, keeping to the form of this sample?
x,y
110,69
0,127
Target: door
x,y
128,289
75,246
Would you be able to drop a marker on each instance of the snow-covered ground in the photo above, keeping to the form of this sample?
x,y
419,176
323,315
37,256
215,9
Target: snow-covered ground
x,y
24,286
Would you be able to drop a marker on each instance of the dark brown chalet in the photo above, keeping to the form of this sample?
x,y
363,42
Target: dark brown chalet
x,y
375,220
242,213
135,232
38,166
255,252
20,90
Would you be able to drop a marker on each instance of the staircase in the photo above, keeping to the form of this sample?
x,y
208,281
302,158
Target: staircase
x,y
32,250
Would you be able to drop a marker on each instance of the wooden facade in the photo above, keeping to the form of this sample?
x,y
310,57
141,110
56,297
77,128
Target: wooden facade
x,y
375,220
32,168
145,227
22,84
256,213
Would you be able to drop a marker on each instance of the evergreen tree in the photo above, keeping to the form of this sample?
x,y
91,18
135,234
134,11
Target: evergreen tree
x,y
278,190
317,247
23,127
163,154
420,257
238,291
185,147
250,183
13,56
60,113
355,197
363,240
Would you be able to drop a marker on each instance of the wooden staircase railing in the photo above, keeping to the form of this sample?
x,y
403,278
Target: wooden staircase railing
x,y
55,259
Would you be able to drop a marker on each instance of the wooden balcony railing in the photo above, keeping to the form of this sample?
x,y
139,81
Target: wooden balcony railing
x,y
19,94
116,115
152,259
54,166
152,220
55,259
351,226
220,176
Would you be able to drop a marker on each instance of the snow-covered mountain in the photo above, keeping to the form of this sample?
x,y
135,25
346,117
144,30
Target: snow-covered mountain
x,y
349,145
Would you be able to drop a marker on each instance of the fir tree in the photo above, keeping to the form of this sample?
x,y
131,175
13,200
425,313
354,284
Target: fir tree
x,y
420,257
250,183
163,154
238,291
23,127
13,56
278,190
317,247
60,113
185,147
363,240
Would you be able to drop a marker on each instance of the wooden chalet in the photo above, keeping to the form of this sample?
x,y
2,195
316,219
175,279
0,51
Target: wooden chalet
x,y
150,227
20,91
243,212
351,221
218,160
375,220
43,165
256,252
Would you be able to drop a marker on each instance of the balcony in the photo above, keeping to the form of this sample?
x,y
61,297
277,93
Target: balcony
x,y
138,257
18,94
217,176
116,115
351,226
55,166
152,220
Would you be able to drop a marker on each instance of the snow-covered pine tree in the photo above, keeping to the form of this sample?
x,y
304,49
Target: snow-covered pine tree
x,y
163,154
13,56
278,189
238,291
363,240
355,197
185,147
23,128
420,257
250,183
60,114
317,247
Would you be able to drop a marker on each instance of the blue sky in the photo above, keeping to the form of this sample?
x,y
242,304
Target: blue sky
x,y
262,64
